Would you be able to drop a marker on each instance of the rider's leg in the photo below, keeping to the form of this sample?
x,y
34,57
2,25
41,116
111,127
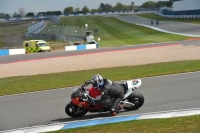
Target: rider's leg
x,y
114,108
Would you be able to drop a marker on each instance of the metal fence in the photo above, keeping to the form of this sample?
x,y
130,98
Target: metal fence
x,y
56,32
55,19
63,33
35,28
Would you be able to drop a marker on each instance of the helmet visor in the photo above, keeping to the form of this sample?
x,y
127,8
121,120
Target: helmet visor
x,y
95,84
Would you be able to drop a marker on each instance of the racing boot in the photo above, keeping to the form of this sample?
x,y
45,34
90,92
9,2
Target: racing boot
x,y
113,112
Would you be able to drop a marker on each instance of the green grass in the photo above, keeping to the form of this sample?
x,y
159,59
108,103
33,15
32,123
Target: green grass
x,y
10,31
160,18
1,41
114,32
14,85
187,124
6,31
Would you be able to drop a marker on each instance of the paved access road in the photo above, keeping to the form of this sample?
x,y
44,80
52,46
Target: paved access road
x,y
161,93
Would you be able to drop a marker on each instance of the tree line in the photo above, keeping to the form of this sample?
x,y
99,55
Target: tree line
x,y
151,4
103,7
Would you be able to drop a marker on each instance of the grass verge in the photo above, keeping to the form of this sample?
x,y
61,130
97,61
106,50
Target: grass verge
x,y
187,124
160,18
114,32
10,30
14,85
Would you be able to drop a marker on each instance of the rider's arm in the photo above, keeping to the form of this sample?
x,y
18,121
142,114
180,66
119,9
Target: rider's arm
x,y
83,86
87,82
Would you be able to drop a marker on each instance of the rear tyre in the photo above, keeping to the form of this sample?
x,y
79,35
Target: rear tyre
x,y
75,111
135,98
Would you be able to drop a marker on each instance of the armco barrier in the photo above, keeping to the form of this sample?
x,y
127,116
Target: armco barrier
x,y
12,52
81,47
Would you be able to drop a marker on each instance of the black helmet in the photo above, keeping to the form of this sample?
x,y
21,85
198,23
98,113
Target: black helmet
x,y
97,81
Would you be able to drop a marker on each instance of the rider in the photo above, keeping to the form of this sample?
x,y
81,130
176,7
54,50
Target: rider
x,y
109,90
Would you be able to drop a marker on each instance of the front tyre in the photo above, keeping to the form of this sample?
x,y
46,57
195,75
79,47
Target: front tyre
x,y
135,98
75,111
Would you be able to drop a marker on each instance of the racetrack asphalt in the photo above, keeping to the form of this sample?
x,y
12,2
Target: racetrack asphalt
x,y
176,27
179,91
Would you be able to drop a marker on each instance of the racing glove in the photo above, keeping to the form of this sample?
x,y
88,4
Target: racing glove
x,y
83,87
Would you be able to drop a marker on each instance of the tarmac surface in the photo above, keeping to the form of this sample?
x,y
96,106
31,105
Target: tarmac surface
x,y
168,26
162,93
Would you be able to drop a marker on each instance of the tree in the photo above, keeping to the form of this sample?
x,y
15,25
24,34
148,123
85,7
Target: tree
x,y
16,15
77,9
94,10
164,3
102,7
108,8
149,4
68,10
21,12
118,6
105,7
2,15
7,16
160,4
30,14
85,9
169,3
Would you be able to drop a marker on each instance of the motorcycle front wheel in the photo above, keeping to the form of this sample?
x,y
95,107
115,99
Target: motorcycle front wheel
x,y
75,111
135,98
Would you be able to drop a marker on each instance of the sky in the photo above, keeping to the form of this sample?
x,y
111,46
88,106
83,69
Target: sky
x,y
11,6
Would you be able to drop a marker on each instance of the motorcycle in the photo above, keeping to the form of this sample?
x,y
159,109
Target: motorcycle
x,y
85,100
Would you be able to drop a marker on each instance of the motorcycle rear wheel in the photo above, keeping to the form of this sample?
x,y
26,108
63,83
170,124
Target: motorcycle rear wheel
x,y
75,111
137,99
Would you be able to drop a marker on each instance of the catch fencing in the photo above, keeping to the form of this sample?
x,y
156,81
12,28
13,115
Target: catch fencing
x,y
62,33
35,28
56,32
55,19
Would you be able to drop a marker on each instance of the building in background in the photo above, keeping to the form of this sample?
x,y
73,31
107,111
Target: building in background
x,y
183,7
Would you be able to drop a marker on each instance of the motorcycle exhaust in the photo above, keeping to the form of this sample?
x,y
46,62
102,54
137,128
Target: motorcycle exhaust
x,y
127,104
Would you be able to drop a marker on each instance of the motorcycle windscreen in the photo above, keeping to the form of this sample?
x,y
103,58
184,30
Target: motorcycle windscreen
x,y
94,92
